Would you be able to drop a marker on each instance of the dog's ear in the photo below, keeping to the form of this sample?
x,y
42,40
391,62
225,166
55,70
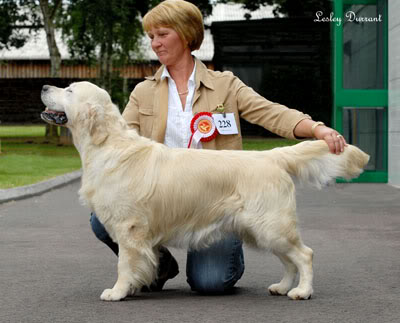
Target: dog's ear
x,y
97,127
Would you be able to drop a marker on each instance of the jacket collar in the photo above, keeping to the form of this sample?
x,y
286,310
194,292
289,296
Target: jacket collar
x,y
201,75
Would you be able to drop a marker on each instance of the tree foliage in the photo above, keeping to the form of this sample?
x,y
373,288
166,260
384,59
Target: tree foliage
x,y
12,22
90,24
19,18
104,32
108,32
112,24
291,8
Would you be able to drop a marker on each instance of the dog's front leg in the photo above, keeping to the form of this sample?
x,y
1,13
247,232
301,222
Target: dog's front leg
x,y
136,267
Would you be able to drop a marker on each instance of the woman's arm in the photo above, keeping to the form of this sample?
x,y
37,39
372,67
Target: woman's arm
x,y
283,121
256,109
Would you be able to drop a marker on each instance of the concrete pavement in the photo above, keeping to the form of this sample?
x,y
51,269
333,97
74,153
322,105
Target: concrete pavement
x,y
53,269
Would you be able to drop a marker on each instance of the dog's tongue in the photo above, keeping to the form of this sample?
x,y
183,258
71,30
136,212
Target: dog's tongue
x,y
52,116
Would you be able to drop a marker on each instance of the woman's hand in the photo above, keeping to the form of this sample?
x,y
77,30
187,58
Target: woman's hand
x,y
335,140
310,129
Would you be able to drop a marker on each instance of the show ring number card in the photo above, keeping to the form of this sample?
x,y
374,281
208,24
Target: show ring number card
x,y
225,123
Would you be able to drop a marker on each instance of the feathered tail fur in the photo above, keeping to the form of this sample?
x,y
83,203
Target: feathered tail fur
x,y
312,163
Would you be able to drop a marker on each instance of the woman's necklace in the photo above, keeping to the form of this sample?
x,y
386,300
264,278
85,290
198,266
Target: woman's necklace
x,y
183,93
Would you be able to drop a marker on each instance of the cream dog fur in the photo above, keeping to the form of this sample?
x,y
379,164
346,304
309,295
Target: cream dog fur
x,y
147,194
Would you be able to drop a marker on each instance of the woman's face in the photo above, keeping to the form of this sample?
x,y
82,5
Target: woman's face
x,y
167,45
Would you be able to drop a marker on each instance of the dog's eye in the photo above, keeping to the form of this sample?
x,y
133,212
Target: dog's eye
x,y
68,90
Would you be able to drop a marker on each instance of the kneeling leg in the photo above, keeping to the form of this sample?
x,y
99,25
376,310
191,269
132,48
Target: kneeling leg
x,y
216,270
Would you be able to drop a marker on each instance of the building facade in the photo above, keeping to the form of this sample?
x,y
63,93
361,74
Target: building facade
x,y
366,82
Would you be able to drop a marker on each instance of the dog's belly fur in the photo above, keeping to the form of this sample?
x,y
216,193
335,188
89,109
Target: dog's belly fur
x,y
201,237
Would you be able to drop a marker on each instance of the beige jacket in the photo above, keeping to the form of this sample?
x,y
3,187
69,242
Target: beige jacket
x,y
147,108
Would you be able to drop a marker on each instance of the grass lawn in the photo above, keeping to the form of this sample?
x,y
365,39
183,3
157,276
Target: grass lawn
x,y
21,131
27,158
266,143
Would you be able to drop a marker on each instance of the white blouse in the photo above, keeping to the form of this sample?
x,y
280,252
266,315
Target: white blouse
x,y
177,134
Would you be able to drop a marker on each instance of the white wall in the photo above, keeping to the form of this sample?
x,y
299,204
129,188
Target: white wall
x,y
394,92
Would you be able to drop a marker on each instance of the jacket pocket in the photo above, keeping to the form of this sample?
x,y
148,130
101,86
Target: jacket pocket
x,y
146,111
146,118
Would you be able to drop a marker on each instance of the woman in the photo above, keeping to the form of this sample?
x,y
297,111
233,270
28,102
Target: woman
x,y
163,106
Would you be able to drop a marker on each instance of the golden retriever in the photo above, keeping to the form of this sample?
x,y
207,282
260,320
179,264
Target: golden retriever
x,y
147,194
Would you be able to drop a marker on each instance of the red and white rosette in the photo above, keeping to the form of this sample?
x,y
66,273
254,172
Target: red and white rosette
x,y
203,129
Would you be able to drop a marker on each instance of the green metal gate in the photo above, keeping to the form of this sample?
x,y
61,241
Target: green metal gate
x,y
360,80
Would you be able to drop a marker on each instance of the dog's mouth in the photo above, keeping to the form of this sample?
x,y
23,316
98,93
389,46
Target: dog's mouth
x,y
52,116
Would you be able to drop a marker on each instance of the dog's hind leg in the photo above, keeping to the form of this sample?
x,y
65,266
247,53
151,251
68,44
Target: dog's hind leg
x,y
302,257
294,255
286,283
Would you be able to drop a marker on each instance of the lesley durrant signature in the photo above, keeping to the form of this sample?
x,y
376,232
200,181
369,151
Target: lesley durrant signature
x,y
350,16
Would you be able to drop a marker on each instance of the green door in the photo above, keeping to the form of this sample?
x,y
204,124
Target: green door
x,y
360,80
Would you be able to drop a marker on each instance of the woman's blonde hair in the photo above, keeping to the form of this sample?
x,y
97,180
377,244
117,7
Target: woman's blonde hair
x,y
182,16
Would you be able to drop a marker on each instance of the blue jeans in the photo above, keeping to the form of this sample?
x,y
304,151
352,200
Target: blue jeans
x,y
214,270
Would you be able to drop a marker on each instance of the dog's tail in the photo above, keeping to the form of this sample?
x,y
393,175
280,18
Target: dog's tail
x,y
312,163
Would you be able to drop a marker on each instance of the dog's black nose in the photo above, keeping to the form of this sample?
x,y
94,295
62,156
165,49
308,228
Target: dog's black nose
x,y
45,88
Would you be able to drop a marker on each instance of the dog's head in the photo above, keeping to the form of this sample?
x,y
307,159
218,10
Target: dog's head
x,y
64,104
80,105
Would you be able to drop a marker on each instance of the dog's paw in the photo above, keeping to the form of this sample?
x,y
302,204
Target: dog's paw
x,y
112,295
278,290
298,293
